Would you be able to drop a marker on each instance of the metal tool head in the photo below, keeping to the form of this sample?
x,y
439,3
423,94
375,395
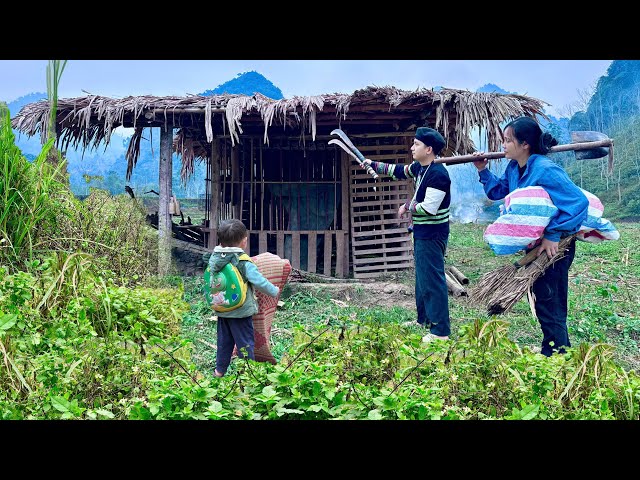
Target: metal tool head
x,y
589,136
359,158
340,143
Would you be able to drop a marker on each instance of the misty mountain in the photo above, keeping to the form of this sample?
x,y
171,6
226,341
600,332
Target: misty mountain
x,y
558,127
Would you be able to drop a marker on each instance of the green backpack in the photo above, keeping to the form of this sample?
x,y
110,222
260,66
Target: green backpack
x,y
226,290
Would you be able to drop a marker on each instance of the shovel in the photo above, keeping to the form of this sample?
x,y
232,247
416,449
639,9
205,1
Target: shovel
x,y
586,144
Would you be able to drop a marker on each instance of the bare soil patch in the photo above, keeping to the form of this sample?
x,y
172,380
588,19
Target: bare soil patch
x,y
370,294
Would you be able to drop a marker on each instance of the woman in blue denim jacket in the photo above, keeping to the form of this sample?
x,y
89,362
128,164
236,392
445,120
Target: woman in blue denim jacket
x,y
526,145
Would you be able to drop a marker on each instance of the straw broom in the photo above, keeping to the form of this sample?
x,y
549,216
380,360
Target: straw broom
x,y
501,288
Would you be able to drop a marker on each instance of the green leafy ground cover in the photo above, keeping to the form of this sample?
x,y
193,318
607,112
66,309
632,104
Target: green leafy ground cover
x,y
603,298
87,332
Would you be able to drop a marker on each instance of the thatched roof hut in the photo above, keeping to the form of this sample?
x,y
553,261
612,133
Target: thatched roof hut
x,y
239,135
88,121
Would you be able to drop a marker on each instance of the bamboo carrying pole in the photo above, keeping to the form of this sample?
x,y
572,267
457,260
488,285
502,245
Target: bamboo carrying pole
x,y
558,148
581,146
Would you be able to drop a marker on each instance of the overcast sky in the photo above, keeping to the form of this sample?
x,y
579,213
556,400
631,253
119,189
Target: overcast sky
x,y
559,82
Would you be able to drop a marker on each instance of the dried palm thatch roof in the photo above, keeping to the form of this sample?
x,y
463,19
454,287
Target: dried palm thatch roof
x,y
89,121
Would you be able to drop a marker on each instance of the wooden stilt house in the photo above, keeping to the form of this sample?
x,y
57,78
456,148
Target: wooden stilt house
x,y
269,162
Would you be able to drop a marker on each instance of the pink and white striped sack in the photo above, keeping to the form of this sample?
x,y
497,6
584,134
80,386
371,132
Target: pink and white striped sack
x,y
526,213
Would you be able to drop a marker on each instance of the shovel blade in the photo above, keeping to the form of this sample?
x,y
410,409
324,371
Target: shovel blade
x,y
589,136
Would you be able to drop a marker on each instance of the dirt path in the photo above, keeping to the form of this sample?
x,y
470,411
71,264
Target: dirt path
x,y
382,294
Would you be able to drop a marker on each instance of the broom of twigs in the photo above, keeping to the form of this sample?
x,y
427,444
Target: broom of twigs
x,y
501,288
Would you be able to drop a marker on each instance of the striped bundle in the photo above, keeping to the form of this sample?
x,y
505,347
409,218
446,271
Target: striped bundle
x,y
526,213
276,270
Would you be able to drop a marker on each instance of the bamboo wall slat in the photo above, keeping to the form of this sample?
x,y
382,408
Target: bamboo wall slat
x,y
390,204
379,270
364,235
386,259
380,232
380,241
383,221
376,241
405,248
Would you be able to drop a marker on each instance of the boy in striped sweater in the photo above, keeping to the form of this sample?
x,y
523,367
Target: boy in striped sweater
x,y
429,209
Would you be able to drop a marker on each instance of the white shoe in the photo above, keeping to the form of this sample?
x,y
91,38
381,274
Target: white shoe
x,y
430,337
411,323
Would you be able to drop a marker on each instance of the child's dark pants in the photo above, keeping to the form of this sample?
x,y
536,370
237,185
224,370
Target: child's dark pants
x,y
231,332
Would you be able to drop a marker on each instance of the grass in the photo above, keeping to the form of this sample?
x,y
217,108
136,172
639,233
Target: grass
x,y
604,294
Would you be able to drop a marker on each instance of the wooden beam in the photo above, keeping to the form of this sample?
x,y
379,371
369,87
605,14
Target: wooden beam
x,y
340,240
326,138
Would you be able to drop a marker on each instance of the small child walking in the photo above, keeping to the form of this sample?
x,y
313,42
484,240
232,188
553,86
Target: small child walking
x,y
235,327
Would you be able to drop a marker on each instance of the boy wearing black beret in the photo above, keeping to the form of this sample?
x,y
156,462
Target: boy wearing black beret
x,y
429,209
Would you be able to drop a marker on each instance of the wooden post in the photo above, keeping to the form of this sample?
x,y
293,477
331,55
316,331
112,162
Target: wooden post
x,y
251,188
215,194
344,164
165,230
235,183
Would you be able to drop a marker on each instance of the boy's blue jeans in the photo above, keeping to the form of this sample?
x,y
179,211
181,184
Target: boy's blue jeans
x,y
432,296
552,292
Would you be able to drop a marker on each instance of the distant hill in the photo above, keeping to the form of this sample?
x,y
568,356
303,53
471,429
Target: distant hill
x,y
614,100
558,127
18,103
247,83
491,88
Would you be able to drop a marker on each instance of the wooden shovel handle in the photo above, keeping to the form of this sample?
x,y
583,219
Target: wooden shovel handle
x,y
531,256
526,259
558,148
